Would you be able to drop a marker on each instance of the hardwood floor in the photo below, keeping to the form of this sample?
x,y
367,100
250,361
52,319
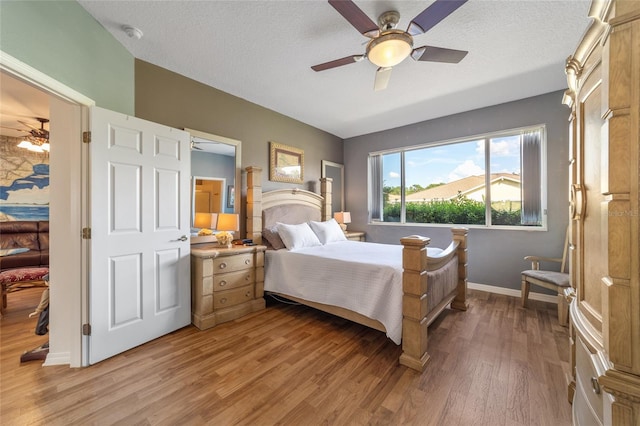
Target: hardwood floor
x,y
496,364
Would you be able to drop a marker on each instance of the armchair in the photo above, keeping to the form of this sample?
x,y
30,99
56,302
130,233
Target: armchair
x,y
552,280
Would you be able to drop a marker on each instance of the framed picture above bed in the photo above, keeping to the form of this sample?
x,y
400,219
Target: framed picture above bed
x,y
286,163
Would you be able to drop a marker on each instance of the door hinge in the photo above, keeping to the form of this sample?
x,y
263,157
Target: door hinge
x,y
86,137
86,329
86,233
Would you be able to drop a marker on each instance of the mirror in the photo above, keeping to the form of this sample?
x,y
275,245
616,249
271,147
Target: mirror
x,y
215,172
335,171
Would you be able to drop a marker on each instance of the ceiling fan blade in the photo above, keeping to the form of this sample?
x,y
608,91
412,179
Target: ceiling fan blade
x,y
356,17
338,62
13,128
382,78
438,54
24,123
432,15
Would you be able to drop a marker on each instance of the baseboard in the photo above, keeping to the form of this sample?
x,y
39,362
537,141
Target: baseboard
x,y
512,292
60,358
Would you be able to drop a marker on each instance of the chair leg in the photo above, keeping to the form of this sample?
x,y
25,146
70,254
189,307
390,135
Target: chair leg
x,y
563,309
524,292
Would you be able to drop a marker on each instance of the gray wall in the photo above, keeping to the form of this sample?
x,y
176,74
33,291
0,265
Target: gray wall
x,y
495,256
206,164
60,39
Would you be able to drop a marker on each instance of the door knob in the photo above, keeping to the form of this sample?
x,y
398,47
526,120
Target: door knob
x,y
183,238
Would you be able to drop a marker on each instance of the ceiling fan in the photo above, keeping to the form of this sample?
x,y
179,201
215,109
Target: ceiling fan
x,y
212,147
37,139
389,46
41,132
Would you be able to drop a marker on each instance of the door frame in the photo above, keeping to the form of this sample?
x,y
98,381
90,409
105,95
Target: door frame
x,y
70,280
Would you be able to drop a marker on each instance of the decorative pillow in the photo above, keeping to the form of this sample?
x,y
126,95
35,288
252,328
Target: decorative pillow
x,y
328,232
297,236
273,238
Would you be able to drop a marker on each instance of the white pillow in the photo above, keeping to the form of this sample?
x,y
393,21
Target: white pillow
x,y
328,232
297,236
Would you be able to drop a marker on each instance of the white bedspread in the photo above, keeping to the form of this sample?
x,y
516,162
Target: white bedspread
x,y
362,277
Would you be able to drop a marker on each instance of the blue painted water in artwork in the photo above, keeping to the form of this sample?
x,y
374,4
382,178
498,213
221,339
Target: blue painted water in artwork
x,y
38,179
25,212
27,198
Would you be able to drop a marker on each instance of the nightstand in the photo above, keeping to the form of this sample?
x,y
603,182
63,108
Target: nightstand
x,y
226,284
354,236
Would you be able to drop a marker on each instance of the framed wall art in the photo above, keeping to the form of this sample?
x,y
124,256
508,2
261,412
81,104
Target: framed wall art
x,y
286,163
231,196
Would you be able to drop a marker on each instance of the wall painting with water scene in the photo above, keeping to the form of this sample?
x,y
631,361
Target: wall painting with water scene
x,y
24,182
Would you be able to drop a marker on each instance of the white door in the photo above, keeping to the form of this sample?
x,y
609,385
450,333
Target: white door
x,y
139,284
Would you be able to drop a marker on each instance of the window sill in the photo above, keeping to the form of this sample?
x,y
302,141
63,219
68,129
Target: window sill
x,y
450,225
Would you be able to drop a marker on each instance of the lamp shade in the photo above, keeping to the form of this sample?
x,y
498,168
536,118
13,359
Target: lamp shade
x,y
205,220
342,217
228,222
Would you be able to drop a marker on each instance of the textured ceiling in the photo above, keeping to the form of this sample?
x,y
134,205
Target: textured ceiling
x,y
19,106
262,51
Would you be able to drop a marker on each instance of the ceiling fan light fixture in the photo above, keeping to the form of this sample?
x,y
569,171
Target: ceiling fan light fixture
x,y
24,144
35,148
391,48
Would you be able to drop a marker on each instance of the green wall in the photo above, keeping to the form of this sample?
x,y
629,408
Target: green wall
x,y
60,39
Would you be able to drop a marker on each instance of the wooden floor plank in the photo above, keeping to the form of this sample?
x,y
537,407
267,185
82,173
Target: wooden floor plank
x,y
495,364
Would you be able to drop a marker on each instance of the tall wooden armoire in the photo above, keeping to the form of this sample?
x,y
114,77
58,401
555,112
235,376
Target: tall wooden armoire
x,y
604,96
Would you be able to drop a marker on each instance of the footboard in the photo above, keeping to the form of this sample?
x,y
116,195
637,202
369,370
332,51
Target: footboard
x,y
415,285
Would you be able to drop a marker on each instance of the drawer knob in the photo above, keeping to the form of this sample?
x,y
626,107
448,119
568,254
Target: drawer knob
x,y
247,261
248,277
223,300
248,294
223,265
595,385
223,283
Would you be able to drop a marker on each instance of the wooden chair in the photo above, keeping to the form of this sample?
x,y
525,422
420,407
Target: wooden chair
x,y
549,279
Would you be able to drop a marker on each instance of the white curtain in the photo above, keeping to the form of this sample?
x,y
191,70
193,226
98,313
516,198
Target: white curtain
x,y
531,187
375,187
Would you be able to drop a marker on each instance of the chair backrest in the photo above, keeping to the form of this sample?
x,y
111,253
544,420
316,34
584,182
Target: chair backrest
x,y
565,250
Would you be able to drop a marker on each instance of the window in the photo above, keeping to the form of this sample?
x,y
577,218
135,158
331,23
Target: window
x,y
492,180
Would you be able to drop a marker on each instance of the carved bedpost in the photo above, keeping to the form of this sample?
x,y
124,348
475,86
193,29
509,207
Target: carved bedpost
x,y
254,203
325,191
414,302
460,302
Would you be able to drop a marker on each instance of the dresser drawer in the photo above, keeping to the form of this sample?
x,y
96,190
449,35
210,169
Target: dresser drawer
x,y
232,263
233,279
589,402
226,298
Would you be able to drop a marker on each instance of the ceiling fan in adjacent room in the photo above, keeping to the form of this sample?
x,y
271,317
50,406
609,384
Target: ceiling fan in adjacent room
x,y
212,147
389,46
36,139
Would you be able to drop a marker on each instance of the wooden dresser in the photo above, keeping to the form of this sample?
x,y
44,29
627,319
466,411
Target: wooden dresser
x,y
604,96
225,283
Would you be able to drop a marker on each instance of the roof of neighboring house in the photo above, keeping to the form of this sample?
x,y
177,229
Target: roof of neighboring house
x,y
452,189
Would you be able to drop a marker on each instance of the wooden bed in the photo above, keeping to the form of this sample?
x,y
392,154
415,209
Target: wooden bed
x,y
416,265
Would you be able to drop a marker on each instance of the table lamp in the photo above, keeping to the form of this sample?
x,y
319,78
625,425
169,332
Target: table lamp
x,y
205,221
228,223
342,218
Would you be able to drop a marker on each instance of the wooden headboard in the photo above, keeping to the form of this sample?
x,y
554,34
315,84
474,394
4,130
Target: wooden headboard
x,y
318,206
